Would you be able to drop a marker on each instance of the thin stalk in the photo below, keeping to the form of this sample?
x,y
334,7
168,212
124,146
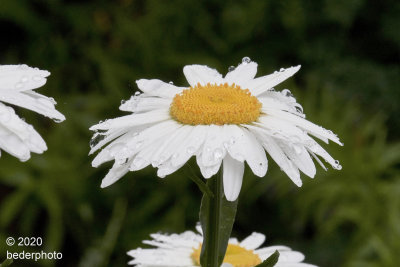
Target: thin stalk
x,y
217,216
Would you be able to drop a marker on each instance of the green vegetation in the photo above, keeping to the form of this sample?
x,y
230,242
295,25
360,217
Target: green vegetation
x,y
95,50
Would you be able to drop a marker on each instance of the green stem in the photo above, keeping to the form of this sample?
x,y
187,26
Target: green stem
x,y
217,216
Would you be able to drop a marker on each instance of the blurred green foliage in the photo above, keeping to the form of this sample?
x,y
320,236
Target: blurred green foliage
x,y
95,50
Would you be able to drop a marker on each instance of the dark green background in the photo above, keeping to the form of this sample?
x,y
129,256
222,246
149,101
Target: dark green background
x,y
95,50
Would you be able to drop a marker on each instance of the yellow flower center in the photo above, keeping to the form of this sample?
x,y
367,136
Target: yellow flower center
x,y
235,255
215,104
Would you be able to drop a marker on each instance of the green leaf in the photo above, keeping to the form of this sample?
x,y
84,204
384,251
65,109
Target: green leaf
x,y
7,262
271,261
217,216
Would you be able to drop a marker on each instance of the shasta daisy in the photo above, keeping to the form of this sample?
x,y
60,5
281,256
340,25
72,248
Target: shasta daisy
x,y
220,120
183,250
17,84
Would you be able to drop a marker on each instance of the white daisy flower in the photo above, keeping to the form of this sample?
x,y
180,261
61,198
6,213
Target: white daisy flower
x,y
17,83
220,120
183,250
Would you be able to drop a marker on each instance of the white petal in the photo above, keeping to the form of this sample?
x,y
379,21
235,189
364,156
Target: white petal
x,y
168,147
33,101
21,77
306,125
244,146
49,104
279,157
155,132
271,249
201,74
207,171
114,174
191,145
318,160
133,120
167,169
13,145
291,256
264,83
300,157
143,157
232,177
104,138
282,129
141,104
149,141
156,87
103,156
285,97
318,150
21,129
242,74
213,149
113,151
273,103
253,241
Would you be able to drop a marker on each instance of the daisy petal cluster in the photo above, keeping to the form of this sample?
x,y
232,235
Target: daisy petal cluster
x,y
220,120
183,250
17,84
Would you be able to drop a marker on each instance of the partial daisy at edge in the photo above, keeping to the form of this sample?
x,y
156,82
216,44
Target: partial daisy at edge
x,y
183,250
220,120
17,85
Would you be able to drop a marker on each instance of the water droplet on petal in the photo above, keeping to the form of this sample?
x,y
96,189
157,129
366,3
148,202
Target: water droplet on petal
x,y
137,93
123,102
190,150
97,137
299,108
296,139
45,102
171,82
314,148
286,92
246,60
232,140
218,154
297,149
19,85
121,161
137,163
37,78
282,69
225,144
337,165
231,68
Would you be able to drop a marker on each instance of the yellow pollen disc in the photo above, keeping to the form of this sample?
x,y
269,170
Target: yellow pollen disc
x,y
215,104
235,255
